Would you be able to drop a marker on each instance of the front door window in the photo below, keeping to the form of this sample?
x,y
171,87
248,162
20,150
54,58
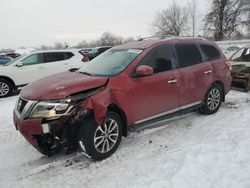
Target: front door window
x,y
33,60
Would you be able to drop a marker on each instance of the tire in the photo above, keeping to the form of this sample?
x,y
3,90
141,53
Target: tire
x,y
6,88
212,101
100,142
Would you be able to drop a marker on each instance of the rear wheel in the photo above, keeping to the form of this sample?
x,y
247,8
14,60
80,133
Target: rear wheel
x,y
102,141
6,88
212,101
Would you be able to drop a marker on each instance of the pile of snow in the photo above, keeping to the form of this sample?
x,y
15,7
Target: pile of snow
x,y
192,151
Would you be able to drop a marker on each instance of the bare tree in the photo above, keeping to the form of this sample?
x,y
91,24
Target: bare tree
x,y
246,22
44,47
193,14
106,39
109,39
171,21
59,45
82,44
129,39
224,19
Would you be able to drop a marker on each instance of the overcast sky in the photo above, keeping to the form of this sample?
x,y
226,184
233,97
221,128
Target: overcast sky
x,y
44,22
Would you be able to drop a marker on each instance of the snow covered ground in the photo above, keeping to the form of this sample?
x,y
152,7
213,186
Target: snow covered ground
x,y
193,151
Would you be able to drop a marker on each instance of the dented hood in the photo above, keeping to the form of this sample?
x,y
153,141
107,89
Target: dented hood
x,y
61,85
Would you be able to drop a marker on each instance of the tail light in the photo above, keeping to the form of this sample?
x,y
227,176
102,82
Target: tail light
x,y
228,64
85,58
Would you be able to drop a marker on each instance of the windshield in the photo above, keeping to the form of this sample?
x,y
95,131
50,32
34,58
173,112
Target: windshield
x,y
13,60
111,62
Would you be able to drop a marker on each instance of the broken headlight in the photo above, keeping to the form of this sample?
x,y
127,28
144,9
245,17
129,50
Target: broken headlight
x,y
51,109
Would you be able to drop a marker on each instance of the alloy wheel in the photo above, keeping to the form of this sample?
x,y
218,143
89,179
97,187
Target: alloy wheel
x,y
213,100
4,89
106,136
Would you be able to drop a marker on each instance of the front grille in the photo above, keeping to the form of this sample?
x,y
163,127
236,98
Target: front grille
x,y
21,104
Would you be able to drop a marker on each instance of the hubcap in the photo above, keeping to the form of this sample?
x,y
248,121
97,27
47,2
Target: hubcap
x,y
4,89
213,100
106,136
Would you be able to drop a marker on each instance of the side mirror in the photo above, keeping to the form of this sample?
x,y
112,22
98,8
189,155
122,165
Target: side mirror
x,y
144,70
19,64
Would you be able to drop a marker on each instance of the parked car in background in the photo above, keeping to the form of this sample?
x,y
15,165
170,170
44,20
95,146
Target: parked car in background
x,y
230,50
241,69
134,84
224,45
241,56
4,60
91,53
13,55
28,68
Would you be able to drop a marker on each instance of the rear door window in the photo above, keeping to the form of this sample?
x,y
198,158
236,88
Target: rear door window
x,y
210,52
53,56
188,54
160,59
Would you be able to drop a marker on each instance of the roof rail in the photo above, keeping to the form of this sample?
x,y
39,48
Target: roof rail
x,y
197,38
157,37
171,36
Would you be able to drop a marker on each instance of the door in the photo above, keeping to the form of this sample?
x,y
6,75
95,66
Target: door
x,y
156,95
29,69
195,75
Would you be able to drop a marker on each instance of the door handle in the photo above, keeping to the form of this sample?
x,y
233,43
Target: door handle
x,y
40,67
172,81
208,72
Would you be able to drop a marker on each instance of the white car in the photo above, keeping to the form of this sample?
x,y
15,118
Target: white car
x,y
28,68
241,57
231,50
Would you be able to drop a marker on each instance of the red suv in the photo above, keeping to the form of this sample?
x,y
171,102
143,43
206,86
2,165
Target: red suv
x,y
134,84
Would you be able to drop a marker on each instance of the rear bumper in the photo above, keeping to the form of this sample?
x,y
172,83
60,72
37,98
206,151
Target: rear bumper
x,y
28,128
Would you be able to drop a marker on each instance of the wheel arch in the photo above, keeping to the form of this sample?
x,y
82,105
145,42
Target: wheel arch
x,y
220,83
121,113
8,79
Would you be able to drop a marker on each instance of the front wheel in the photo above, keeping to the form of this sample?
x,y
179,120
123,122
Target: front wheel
x,y
212,101
102,141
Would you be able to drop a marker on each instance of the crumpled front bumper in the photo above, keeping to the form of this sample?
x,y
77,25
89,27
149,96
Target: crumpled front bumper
x,y
28,128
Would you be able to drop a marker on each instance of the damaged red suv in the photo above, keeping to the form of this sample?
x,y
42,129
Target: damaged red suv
x,y
134,84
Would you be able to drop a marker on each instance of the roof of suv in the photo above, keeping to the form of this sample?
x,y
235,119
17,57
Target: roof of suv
x,y
142,44
60,50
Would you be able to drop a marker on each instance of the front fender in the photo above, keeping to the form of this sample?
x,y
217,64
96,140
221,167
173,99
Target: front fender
x,y
100,102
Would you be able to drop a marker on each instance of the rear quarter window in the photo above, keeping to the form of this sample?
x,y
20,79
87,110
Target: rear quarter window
x,y
53,56
210,52
188,55
68,55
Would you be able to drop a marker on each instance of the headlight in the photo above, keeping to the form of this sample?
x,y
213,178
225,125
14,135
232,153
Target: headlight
x,y
51,109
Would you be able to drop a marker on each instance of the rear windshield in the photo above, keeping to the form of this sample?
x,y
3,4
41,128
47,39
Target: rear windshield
x,y
111,62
